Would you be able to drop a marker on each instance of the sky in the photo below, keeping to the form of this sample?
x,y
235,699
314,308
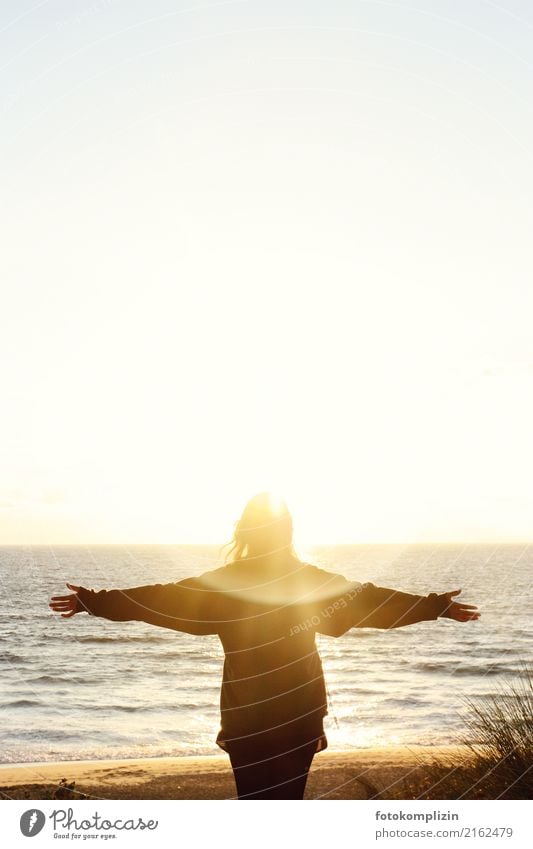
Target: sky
x,y
266,245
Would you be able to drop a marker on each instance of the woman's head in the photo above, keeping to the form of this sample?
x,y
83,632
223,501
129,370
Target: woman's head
x,y
265,528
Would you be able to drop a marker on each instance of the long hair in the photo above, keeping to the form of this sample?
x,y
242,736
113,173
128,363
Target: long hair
x,y
265,528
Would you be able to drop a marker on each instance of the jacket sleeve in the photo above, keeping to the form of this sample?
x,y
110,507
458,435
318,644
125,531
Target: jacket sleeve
x,y
369,606
185,606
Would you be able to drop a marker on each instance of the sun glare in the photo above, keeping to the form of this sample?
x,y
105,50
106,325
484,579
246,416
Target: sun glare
x,y
261,291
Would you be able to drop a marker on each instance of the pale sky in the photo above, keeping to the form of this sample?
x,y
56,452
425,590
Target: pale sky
x,y
266,245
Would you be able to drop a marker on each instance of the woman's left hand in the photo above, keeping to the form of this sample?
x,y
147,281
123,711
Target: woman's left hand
x,y
67,605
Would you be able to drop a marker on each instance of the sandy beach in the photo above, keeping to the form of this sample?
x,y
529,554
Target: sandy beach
x,y
353,774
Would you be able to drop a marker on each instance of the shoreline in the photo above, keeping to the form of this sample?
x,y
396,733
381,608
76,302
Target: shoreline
x,y
344,774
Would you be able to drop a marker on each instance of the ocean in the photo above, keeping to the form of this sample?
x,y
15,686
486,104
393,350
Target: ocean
x,y
84,688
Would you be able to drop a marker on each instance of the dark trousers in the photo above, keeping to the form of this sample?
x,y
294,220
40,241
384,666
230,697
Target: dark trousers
x,y
260,774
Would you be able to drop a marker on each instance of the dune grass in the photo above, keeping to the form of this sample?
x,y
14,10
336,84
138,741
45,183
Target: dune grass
x,y
498,734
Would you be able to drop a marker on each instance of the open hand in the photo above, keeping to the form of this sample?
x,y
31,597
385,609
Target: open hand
x,y
460,612
67,605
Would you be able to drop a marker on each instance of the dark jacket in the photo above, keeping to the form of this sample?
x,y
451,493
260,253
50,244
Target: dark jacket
x,y
267,618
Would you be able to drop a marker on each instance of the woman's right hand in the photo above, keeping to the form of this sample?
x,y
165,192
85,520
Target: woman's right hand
x,y
459,611
67,605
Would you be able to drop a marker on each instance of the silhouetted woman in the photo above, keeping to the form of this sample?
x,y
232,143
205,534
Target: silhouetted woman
x,y
266,606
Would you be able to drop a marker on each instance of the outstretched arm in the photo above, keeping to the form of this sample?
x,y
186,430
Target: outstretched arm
x,y
369,606
386,608
185,606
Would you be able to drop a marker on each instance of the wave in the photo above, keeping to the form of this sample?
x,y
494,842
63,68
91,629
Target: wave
x,y
11,657
56,679
121,708
38,734
95,640
153,708
347,692
21,703
403,701
117,640
486,669
22,754
449,667
356,634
